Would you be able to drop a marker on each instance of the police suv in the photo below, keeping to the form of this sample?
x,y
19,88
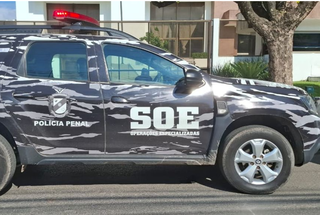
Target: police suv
x,y
69,95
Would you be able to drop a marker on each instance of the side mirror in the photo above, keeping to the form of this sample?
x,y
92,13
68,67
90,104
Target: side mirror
x,y
192,81
193,78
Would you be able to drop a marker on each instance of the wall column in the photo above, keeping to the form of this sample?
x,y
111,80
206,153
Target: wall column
x,y
207,16
258,45
215,41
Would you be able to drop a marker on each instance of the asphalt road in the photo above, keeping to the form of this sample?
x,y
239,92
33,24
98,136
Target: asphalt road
x,y
123,189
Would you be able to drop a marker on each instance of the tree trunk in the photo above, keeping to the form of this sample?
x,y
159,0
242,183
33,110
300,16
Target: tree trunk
x,y
280,57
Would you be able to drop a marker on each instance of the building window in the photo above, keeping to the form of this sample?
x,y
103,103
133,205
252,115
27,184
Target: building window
x,y
184,38
246,44
306,42
178,11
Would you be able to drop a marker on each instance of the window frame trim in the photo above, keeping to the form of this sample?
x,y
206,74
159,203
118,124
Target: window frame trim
x,y
23,62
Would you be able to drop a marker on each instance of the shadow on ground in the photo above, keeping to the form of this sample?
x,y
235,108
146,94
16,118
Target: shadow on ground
x,y
209,176
316,158
121,174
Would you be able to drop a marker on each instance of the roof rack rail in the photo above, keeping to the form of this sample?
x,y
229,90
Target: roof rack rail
x,y
78,27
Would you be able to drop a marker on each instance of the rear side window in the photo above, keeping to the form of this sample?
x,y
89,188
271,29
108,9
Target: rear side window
x,y
57,60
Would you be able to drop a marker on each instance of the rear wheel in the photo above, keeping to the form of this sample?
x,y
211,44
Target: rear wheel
x,y
256,159
7,163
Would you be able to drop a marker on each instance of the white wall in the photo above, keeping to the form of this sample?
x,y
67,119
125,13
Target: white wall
x,y
215,41
131,11
304,64
309,25
30,11
147,12
207,16
220,61
207,10
105,11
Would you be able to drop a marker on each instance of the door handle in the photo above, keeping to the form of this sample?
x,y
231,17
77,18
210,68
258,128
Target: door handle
x,y
118,99
22,95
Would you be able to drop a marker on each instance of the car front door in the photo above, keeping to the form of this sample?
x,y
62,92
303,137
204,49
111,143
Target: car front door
x,y
144,114
55,100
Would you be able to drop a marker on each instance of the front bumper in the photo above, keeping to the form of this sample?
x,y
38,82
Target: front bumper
x,y
308,154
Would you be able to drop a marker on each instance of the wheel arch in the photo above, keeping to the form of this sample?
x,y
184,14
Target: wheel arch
x,y
4,131
280,124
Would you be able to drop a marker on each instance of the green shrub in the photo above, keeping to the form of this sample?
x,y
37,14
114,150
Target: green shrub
x,y
199,55
152,39
304,84
251,68
225,71
254,69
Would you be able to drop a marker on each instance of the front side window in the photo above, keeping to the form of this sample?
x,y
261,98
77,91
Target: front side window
x,y
57,60
131,65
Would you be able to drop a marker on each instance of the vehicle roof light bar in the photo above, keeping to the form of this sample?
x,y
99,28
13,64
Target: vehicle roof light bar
x,y
71,18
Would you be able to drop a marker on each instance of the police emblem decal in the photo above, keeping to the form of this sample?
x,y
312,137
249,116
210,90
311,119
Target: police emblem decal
x,y
59,104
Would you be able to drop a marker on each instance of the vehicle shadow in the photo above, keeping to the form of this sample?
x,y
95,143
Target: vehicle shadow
x,y
316,158
209,176
76,174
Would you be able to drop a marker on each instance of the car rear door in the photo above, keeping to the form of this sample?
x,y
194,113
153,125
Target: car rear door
x,y
144,115
55,96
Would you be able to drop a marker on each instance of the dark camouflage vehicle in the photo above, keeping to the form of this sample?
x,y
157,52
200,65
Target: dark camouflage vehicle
x,y
83,98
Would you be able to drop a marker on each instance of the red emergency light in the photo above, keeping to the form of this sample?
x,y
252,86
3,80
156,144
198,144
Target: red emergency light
x,y
71,17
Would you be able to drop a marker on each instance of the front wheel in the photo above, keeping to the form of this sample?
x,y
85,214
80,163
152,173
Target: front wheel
x,y
256,159
7,163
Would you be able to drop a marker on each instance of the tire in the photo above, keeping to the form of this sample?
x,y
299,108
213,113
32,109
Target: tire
x,y
7,163
245,161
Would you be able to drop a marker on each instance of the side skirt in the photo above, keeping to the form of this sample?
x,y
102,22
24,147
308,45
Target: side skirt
x,y
28,155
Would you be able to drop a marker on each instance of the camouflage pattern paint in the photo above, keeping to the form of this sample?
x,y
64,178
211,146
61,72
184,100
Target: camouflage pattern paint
x,y
106,132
